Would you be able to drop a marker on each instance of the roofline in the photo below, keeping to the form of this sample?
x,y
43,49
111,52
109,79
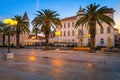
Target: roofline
x,y
70,18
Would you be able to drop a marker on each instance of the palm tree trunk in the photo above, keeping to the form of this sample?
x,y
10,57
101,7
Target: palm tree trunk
x,y
36,34
18,39
36,37
92,36
47,35
47,41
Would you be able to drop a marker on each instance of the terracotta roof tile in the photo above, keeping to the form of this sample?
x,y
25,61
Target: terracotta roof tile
x,y
68,18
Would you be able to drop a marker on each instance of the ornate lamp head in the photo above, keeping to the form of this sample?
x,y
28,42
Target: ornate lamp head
x,y
10,22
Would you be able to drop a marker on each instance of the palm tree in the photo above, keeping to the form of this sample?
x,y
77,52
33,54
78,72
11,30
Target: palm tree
x,y
3,31
21,28
93,14
47,19
36,30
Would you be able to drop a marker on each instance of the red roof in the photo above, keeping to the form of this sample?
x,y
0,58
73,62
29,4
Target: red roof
x,y
69,18
39,37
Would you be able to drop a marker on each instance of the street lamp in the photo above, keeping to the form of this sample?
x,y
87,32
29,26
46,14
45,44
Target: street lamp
x,y
57,34
10,23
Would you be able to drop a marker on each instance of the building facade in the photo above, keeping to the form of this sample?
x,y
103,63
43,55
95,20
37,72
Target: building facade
x,y
81,35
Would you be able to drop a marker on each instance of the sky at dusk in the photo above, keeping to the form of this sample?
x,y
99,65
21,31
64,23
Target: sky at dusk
x,y
66,8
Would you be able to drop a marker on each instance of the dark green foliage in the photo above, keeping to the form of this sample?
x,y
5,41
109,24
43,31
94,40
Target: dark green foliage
x,y
93,15
45,20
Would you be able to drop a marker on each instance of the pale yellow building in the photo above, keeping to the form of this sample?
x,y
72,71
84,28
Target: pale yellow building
x,y
81,35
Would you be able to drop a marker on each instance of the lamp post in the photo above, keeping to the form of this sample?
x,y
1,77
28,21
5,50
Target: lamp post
x,y
10,23
57,34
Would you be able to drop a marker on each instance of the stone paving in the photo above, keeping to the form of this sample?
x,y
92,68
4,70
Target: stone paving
x,y
35,64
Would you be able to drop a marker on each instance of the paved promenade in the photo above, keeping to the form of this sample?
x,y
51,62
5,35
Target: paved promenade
x,y
35,64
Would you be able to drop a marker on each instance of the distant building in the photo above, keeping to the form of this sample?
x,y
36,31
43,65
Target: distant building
x,y
32,40
81,35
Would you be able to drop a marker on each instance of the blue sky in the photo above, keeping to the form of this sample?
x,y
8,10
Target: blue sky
x,y
66,8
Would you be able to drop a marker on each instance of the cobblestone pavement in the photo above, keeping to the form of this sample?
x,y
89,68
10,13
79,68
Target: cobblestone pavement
x,y
35,64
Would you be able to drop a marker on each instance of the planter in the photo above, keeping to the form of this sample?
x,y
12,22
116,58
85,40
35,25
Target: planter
x,y
8,55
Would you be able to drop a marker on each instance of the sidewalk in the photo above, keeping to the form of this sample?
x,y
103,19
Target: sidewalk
x,y
84,56
59,65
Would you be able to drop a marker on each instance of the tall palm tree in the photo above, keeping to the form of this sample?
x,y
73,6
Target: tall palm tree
x,y
92,16
47,19
3,31
21,28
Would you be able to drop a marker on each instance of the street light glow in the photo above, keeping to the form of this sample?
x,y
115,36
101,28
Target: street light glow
x,y
57,33
10,22
88,35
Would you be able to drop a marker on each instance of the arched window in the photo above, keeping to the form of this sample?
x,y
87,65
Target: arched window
x,y
72,32
101,30
108,30
68,33
102,41
64,33
80,32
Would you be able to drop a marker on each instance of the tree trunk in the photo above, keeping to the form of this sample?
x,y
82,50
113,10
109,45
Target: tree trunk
x,y
36,37
18,40
47,32
47,40
92,36
36,34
